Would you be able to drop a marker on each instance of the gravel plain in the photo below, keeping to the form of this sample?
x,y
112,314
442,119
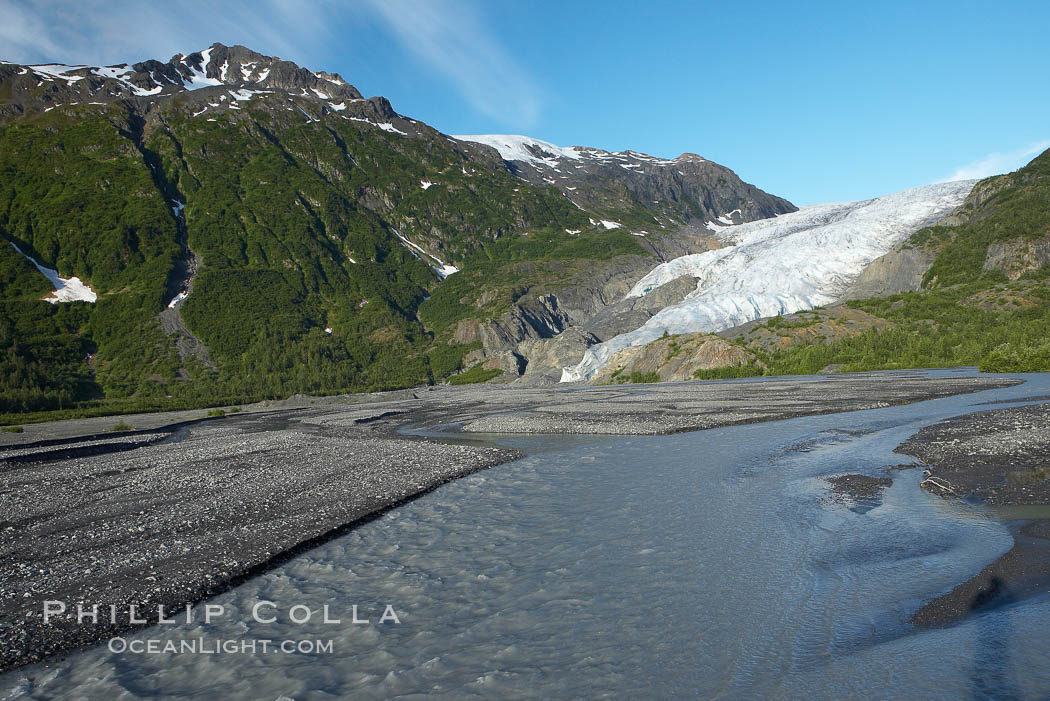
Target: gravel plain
x,y
183,507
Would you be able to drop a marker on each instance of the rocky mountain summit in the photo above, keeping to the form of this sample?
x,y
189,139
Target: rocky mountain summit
x,y
217,79
216,66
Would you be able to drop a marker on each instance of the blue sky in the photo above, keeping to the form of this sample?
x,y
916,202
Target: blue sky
x,y
813,101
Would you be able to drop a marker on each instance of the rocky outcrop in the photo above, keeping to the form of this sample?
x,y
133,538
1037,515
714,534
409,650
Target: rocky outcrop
x,y
674,358
546,357
1018,256
540,317
594,318
900,270
631,312
688,191
509,363
538,328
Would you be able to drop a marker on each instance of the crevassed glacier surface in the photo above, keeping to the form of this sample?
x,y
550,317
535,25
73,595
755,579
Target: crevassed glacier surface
x,y
782,265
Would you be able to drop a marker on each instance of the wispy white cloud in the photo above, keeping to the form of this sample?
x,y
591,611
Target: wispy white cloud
x,y
997,163
118,31
452,39
449,37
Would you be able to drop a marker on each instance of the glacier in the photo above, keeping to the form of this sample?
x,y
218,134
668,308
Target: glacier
x,y
782,265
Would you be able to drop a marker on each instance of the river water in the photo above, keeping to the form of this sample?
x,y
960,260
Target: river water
x,y
700,565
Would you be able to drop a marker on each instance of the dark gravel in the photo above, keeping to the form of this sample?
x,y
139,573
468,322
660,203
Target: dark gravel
x,y
999,457
173,523
855,487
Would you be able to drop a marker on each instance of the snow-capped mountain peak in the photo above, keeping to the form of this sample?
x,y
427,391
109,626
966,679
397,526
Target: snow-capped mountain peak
x,y
217,66
515,147
688,190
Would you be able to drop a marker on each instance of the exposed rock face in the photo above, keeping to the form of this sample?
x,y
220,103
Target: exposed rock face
x,y
592,322
509,363
588,307
1018,256
540,317
546,357
900,270
631,312
674,358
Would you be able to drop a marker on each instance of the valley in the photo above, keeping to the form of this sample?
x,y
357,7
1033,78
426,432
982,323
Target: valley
x,y
594,422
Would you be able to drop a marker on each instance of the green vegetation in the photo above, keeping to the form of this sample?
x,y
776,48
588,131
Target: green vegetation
x,y
294,224
1017,357
1013,206
944,327
216,413
474,375
779,322
12,429
729,372
121,426
636,378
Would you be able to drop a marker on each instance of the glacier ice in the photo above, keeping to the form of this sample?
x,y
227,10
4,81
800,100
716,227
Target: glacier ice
x,y
786,264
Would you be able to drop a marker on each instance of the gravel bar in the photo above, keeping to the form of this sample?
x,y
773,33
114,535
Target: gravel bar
x,y
174,523
1001,458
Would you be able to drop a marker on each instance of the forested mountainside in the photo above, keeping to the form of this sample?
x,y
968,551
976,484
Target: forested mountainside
x,y
226,226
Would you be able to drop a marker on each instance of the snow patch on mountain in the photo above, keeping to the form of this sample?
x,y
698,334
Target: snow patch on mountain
x,y
515,147
440,267
198,76
540,153
782,265
66,289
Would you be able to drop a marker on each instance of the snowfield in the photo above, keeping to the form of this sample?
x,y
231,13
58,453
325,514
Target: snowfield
x,y
515,147
782,265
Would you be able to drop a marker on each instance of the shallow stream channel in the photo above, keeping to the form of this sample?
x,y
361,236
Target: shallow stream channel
x,y
713,564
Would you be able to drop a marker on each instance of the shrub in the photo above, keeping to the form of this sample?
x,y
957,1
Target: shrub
x,y
474,375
